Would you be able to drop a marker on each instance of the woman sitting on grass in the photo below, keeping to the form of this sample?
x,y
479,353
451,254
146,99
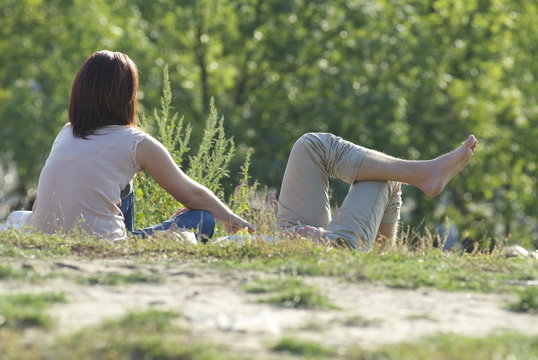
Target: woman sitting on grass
x,y
371,208
98,153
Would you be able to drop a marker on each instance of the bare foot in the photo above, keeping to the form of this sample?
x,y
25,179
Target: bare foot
x,y
439,171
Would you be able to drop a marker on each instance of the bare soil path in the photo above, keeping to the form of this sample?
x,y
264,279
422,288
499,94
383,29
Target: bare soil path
x,y
217,309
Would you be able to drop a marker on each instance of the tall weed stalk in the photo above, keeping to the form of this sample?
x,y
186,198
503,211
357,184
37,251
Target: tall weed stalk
x,y
209,165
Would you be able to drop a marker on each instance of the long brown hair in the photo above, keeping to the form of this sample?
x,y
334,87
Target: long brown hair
x,y
104,93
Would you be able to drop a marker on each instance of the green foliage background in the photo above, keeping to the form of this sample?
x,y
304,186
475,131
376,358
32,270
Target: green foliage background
x,y
411,78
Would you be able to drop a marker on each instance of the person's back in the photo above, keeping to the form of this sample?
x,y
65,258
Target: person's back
x,y
82,179
98,153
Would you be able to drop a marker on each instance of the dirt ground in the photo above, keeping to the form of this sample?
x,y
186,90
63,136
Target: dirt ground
x,y
217,309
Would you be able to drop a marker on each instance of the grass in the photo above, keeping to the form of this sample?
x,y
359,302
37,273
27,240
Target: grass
x,y
361,321
114,279
527,302
481,273
27,310
148,335
154,334
314,326
399,267
302,348
28,273
456,347
7,272
289,292
421,316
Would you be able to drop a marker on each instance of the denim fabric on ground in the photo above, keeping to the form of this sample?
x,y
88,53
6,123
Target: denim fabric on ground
x,y
201,222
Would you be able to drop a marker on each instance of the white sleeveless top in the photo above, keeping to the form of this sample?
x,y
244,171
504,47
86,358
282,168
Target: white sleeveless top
x,y
80,184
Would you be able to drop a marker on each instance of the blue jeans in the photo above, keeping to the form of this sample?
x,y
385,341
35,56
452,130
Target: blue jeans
x,y
201,222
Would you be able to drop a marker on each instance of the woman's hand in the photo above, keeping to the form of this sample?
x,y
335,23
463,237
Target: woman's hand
x,y
234,225
237,223
312,232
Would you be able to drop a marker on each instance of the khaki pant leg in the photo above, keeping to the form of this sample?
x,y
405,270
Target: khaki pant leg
x,y
366,206
304,195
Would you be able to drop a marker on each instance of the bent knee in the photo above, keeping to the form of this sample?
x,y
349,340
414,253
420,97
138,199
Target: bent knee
x,y
205,224
306,139
315,136
314,140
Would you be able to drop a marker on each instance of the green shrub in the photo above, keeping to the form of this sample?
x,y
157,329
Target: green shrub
x,y
209,165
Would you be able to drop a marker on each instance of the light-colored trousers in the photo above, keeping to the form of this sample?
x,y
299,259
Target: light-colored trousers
x,y
304,195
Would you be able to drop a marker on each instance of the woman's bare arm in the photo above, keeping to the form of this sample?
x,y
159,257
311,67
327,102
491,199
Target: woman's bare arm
x,y
153,157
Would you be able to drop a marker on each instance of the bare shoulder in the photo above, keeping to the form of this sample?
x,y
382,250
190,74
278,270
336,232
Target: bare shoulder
x,y
150,151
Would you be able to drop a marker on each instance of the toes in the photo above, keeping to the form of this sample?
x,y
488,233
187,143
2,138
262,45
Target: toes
x,y
471,142
472,146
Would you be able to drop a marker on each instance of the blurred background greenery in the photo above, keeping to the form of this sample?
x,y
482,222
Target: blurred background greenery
x,y
409,78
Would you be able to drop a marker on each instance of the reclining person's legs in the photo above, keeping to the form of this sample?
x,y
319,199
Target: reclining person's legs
x,y
304,195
